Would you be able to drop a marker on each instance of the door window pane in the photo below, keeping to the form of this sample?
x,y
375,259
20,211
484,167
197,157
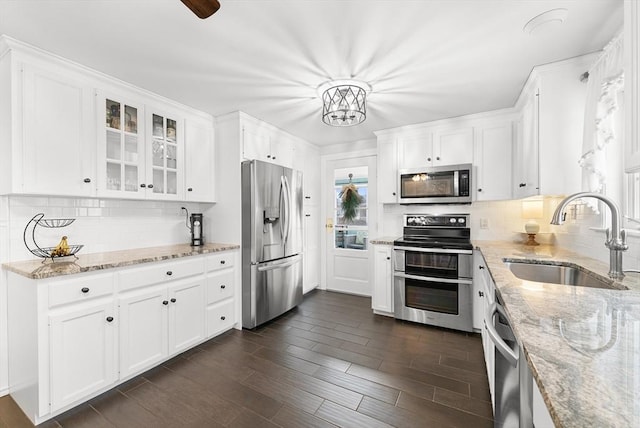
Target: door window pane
x,y
351,208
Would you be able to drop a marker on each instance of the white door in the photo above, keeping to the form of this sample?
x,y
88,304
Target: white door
x,y
83,350
186,314
348,235
143,329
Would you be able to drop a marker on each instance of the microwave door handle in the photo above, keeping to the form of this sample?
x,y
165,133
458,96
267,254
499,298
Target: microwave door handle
x,y
500,344
456,183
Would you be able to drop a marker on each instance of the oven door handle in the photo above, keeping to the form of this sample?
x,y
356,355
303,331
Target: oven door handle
x,y
500,344
432,279
433,250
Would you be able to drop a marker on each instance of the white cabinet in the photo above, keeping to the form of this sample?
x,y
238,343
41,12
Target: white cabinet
x,y
199,160
632,85
143,330
83,356
266,145
436,147
221,284
387,171
164,154
382,298
76,336
311,257
492,160
452,146
484,283
47,132
525,161
478,292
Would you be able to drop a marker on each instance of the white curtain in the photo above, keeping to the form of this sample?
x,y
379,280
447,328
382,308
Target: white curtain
x,y
601,121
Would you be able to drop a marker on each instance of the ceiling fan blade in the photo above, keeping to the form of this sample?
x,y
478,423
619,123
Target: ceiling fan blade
x,y
202,8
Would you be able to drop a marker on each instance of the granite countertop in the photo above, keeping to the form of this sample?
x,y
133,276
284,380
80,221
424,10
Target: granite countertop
x,y
582,344
384,240
35,269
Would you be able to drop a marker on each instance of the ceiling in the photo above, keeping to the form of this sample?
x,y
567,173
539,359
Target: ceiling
x,y
425,60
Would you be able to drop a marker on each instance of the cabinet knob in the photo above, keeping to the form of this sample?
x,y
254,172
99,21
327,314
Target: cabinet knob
x,y
223,318
394,193
150,186
165,302
173,300
143,185
429,159
268,156
388,258
481,293
437,157
222,262
85,289
109,319
223,286
479,190
274,158
169,273
190,189
481,267
87,180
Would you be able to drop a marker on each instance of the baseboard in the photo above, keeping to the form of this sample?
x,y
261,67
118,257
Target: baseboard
x,y
4,391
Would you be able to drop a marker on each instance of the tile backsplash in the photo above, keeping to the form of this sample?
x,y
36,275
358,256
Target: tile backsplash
x,y
100,224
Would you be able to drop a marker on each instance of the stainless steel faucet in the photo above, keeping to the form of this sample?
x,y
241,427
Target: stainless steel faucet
x,y
616,236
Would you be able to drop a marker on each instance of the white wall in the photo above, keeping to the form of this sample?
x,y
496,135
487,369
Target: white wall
x,y
100,225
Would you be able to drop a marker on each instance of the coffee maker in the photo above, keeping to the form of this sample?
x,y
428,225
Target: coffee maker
x,y
194,224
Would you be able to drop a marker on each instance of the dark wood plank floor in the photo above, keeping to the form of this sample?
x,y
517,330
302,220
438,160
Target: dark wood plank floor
x,y
329,362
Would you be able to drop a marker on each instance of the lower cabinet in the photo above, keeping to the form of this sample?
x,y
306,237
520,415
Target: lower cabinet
x,y
83,358
82,334
382,296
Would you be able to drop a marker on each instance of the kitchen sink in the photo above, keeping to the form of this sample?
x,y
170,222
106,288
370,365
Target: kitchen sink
x,y
561,273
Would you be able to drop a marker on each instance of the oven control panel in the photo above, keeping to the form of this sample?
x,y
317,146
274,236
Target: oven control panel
x,y
444,220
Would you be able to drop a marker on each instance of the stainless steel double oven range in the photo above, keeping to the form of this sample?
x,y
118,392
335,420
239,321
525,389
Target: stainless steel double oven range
x,y
433,271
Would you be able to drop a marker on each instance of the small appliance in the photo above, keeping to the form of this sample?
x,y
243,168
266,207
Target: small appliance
x,y
449,184
194,224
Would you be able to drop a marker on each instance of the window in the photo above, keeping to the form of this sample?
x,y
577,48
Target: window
x,y
351,233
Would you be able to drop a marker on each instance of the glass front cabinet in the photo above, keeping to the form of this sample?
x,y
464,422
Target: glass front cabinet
x,y
140,153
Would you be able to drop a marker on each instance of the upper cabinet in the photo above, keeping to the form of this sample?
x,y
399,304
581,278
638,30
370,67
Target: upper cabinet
x,y
436,147
262,143
46,121
632,85
549,129
492,159
67,130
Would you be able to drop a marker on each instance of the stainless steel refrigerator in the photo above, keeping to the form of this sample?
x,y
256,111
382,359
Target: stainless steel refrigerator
x,y
271,241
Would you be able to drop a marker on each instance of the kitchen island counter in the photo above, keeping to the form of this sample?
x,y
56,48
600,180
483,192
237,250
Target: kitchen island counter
x,y
36,269
582,344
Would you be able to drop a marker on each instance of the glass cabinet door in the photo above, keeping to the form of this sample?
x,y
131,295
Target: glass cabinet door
x,y
164,155
123,148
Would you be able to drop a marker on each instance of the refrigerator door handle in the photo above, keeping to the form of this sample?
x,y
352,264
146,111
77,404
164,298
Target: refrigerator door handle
x,y
282,205
278,266
287,208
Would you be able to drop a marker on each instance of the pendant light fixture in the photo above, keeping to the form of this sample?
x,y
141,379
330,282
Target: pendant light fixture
x,y
344,102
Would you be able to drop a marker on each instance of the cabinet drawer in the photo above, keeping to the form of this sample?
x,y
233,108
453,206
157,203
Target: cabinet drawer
x,y
220,261
220,285
78,289
160,272
220,317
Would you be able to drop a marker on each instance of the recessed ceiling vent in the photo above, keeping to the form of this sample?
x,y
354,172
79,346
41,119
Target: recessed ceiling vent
x,y
544,20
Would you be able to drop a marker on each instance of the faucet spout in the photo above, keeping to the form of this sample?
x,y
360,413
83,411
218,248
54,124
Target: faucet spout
x,y
616,236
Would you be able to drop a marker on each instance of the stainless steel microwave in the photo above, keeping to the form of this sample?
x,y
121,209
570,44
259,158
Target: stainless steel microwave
x,y
449,184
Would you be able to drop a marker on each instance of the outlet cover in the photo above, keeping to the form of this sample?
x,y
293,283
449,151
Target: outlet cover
x,y
484,223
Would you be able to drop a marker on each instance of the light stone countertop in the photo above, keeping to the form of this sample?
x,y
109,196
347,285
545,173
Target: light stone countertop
x,y
384,240
582,344
35,269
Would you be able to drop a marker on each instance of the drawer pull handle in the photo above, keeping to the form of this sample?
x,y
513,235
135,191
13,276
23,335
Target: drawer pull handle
x,y
164,302
223,318
169,273
190,189
150,186
143,185
173,300
85,289
109,319
480,267
87,180
222,262
223,286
